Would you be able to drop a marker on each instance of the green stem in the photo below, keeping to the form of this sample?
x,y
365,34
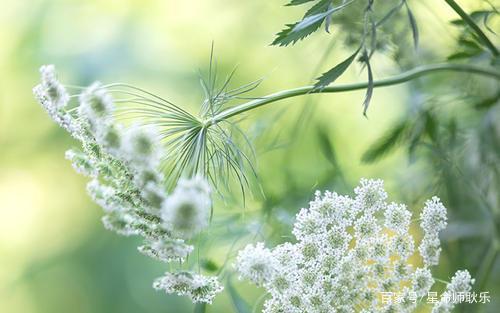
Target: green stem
x,y
200,308
469,21
487,264
394,80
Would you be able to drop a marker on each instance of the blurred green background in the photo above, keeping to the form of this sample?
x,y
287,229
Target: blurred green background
x,y
55,255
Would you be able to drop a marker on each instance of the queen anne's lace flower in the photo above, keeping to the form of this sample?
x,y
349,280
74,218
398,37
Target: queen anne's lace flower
x,y
402,246
433,220
430,249
155,195
167,250
370,194
460,283
196,184
55,91
141,145
256,264
96,105
348,253
120,223
128,184
199,288
109,136
422,281
186,211
433,217
81,163
105,196
397,218
54,99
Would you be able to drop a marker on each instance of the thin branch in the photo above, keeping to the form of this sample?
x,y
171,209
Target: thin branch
x,y
469,21
394,80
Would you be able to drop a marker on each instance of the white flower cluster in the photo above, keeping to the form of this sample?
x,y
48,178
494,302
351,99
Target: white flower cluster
x,y
167,250
197,287
433,220
54,99
460,283
186,210
253,263
127,183
348,252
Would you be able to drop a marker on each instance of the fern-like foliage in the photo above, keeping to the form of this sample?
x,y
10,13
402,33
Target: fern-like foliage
x,y
362,23
318,14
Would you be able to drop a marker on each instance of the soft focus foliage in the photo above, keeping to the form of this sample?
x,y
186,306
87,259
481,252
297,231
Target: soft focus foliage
x,y
437,135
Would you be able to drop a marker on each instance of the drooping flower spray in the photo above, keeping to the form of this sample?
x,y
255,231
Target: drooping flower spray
x,y
126,181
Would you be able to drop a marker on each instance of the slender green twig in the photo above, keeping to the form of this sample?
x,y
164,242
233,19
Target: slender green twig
x,y
487,264
394,80
200,308
469,21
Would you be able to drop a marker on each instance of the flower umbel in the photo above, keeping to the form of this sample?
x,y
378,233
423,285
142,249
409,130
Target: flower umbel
x,y
347,255
256,263
186,211
197,287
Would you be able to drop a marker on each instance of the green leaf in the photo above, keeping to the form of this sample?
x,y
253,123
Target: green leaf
x,y
298,2
452,130
469,44
462,55
312,21
413,24
329,77
386,143
321,7
369,89
288,36
327,148
389,14
209,265
328,19
481,14
457,22
431,126
488,102
240,305
415,135
477,16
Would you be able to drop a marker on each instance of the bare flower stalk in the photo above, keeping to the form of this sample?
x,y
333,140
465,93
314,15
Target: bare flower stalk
x,y
394,80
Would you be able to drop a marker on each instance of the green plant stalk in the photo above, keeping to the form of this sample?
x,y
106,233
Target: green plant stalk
x,y
469,21
488,263
200,308
394,80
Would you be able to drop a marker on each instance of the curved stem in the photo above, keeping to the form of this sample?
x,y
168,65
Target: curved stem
x,y
394,80
469,21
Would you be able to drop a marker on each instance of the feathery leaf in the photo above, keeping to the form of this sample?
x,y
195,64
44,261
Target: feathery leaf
x,y
330,76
